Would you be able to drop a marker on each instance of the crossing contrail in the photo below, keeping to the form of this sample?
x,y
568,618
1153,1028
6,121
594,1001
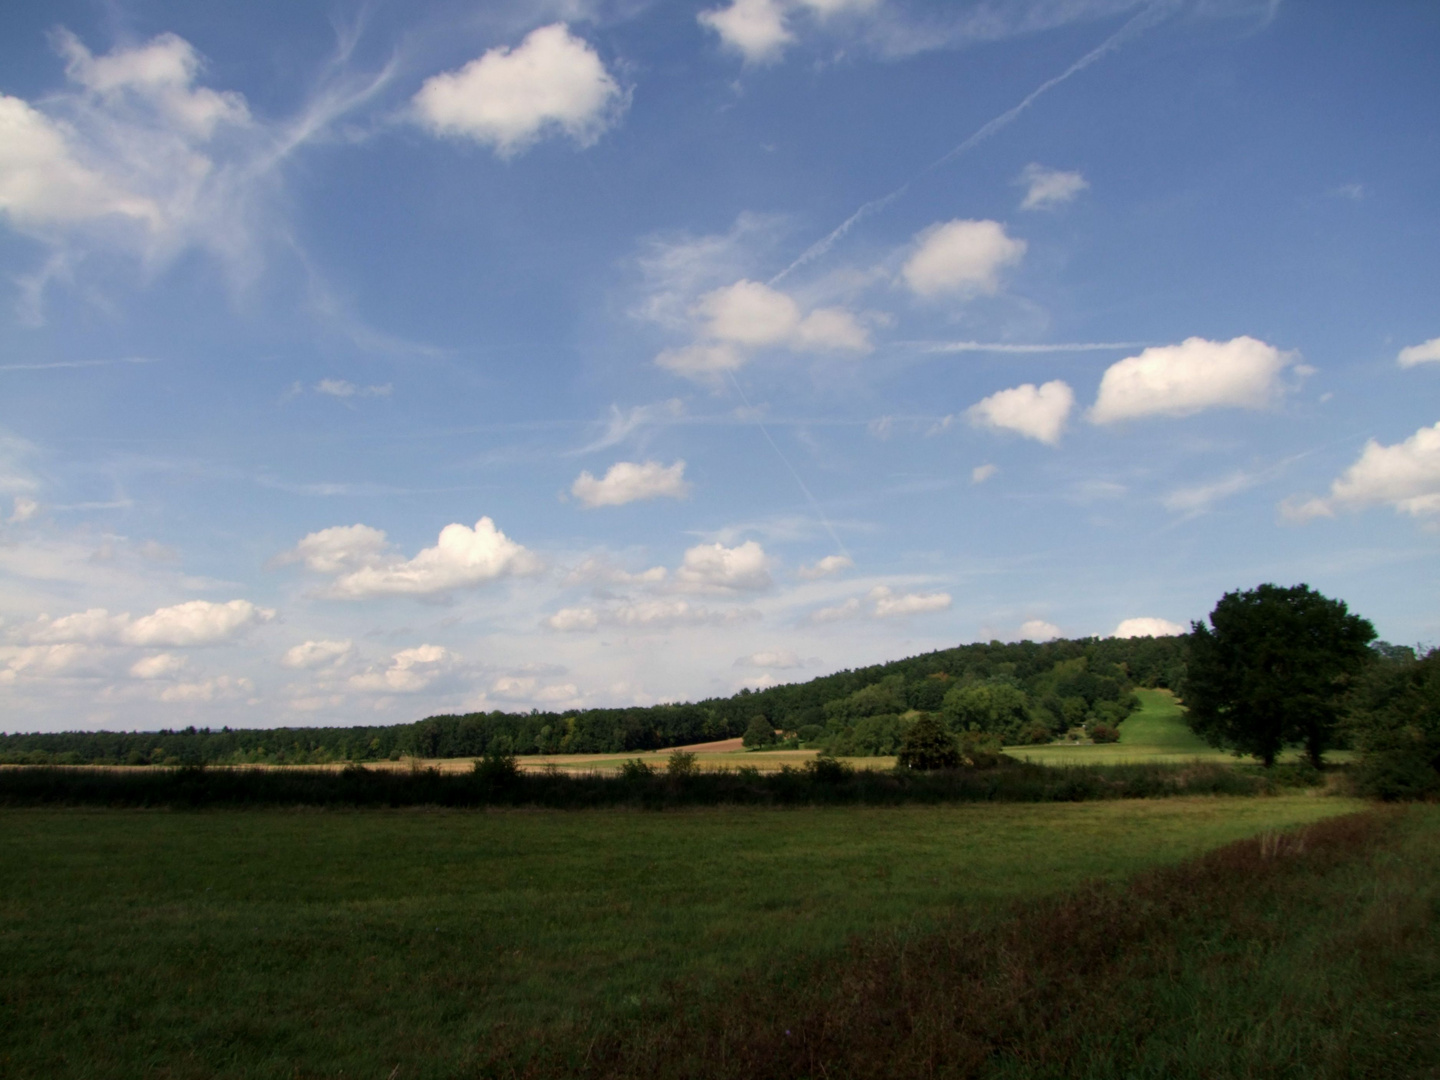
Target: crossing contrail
x,y
814,502
1138,24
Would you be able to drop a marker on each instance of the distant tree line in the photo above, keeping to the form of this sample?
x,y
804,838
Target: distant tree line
x,y
1021,692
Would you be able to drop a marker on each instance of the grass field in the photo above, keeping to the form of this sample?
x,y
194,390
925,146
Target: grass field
x,y
1312,955
265,943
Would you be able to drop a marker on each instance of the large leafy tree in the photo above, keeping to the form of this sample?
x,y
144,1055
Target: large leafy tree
x,y
927,745
1395,716
1271,669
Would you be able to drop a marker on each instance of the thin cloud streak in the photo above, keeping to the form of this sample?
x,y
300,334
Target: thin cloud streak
x,y
1006,347
52,365
1135,26
814,503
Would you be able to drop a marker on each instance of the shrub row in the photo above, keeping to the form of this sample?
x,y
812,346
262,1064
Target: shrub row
x,y
821,782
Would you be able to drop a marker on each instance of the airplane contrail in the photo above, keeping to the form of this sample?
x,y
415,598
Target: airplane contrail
x,y
1016,347
1137,25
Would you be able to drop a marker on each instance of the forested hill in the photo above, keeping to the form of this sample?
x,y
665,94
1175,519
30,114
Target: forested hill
x,y
1023,691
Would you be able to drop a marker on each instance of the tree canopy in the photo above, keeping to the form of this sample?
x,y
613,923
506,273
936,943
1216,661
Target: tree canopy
x,y
1395,718
1271,668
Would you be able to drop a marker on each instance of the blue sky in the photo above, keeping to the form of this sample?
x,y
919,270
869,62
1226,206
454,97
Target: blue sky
x,y
360,363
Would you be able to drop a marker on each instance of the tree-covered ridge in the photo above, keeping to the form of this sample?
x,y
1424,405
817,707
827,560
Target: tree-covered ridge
x,y
1023,691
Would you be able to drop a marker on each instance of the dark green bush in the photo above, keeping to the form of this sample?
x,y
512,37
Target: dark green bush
x,y
927,746
980,750
681,764
497,767
759,733
828,770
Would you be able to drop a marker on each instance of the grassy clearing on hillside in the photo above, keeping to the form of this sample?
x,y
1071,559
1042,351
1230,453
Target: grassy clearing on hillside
x,y
1155,734
266,943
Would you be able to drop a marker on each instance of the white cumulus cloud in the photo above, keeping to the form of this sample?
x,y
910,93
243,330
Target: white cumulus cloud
x,y
49,660
981,473
574,618
1424,353
337,549
779,659
830,564
850,609
463,557
529,689
963,257
1038,630
745,315
760,30
716,568
508,98
158,666
703,360
24,510
831,329
222,686
603,571
1037,412
754,28
889,605
749,313
196,622
1405,476
1147,626
1046,189
315,654
1177,380
655,614
409,670
627,482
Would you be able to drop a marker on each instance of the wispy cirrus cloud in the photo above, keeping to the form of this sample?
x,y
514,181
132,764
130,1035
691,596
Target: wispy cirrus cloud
x,y
136,155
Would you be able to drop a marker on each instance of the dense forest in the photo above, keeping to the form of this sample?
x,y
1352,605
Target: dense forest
x,y
1017,692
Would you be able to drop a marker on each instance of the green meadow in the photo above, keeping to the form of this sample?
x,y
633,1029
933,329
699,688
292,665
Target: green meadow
x,y
284,943
1155,733
437,943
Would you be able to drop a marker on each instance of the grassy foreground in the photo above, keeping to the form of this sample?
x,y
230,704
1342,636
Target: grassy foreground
x,y
270,943
1313,954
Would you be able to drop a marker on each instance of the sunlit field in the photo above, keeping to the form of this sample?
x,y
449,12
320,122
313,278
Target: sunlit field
x,y
283,943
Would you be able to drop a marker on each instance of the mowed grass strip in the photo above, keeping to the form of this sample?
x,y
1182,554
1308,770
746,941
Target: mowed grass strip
x,y
269,943
1155,734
